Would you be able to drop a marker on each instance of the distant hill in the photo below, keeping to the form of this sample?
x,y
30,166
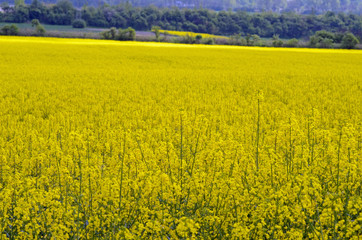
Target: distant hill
x,y
299,6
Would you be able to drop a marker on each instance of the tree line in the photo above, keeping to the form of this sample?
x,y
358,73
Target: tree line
x,y
264,24
299,6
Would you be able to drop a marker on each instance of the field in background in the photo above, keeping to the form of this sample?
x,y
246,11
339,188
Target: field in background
x,y
60,28
191,34
67,31
52,29
112,140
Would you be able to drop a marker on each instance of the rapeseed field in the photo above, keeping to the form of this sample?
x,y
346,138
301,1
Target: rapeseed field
x,y
192,34
124,140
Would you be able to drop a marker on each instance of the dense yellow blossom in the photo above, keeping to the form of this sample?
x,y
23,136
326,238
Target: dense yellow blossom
x,y
124,140
192,34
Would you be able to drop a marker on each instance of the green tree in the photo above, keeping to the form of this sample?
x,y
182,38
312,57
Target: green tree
x,y
79,23
254,40
9,30
36,10
188,39
198,38
325,43
19,3
156,31
20,14
39,29
65,6
110,34
113,32
208,41
292,43
276,41
14,30
248,40
35,22
128,34
237,39
322,39
349,41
